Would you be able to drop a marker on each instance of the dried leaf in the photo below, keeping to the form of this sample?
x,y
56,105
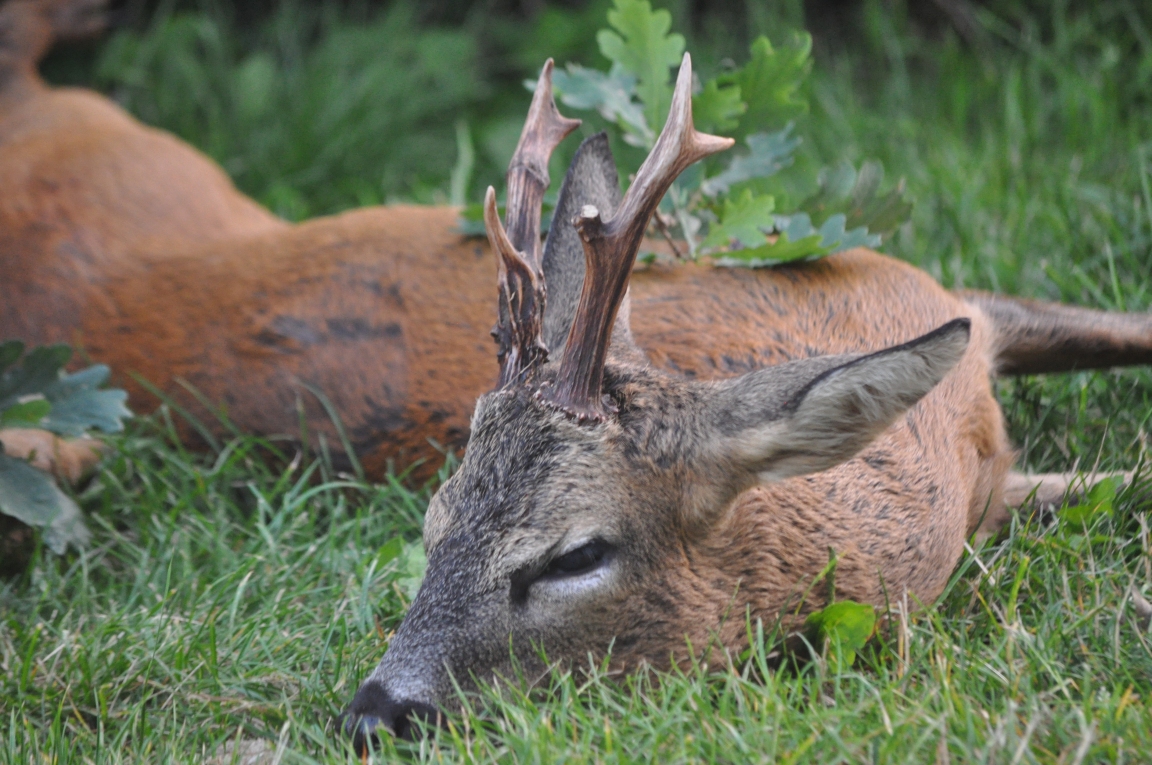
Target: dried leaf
x,y
1143,609
67,459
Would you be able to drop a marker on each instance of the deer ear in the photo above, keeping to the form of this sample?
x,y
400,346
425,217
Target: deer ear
x,y
811,415
591,180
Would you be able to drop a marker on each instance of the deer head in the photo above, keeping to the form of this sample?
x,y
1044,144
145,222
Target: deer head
x,y
29,27
592,480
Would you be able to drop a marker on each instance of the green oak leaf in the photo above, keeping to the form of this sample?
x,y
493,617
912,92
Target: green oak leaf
x,y
26,413
834,233
39,369
835,185
743,220
1097,504
37,392
717,108
783,250
770,83
642,45
9,352
31,496
389,551
610,94
856,195
797,239
79,406
845,626
768,154
413,563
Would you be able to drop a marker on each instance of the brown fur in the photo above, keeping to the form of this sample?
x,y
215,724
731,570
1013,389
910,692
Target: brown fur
x,y
132,245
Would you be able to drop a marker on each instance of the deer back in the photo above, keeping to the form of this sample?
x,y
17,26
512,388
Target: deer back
x,y
690,450
84,187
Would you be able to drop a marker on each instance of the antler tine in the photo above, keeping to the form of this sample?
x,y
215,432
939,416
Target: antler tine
x,y
544,129
610,250
520,271
521,300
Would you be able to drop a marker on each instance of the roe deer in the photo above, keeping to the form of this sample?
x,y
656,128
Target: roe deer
x,y
608,502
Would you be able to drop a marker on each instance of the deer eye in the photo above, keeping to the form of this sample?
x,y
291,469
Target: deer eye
x,y
579,561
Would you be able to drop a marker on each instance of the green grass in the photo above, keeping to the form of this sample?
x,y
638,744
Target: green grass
x,y
224,597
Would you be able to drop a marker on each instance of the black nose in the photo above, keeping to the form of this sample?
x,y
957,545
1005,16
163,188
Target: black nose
x,y
373,709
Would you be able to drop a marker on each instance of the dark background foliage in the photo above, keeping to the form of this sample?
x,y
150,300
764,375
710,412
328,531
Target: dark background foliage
x,y
314,107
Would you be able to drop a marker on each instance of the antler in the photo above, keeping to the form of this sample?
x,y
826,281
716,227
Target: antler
x,y
521,274
610,250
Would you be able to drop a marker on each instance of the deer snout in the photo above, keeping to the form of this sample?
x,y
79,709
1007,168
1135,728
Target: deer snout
x,y
374,709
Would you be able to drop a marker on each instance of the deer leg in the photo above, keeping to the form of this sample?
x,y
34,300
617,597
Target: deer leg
x,y
1045,492
1048,490
1033,337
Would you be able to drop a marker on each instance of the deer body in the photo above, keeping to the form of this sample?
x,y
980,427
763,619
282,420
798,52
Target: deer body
x,y
692,449
84,185
86,190
923,485
132,245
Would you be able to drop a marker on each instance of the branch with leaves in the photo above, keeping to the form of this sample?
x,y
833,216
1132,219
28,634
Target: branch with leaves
x,y
719,208
40,405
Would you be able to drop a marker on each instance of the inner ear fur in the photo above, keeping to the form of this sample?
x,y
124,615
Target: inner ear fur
x,y
591,180
807,416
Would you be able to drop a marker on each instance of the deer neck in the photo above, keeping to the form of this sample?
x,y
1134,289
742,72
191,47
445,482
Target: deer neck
x,y
18,84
